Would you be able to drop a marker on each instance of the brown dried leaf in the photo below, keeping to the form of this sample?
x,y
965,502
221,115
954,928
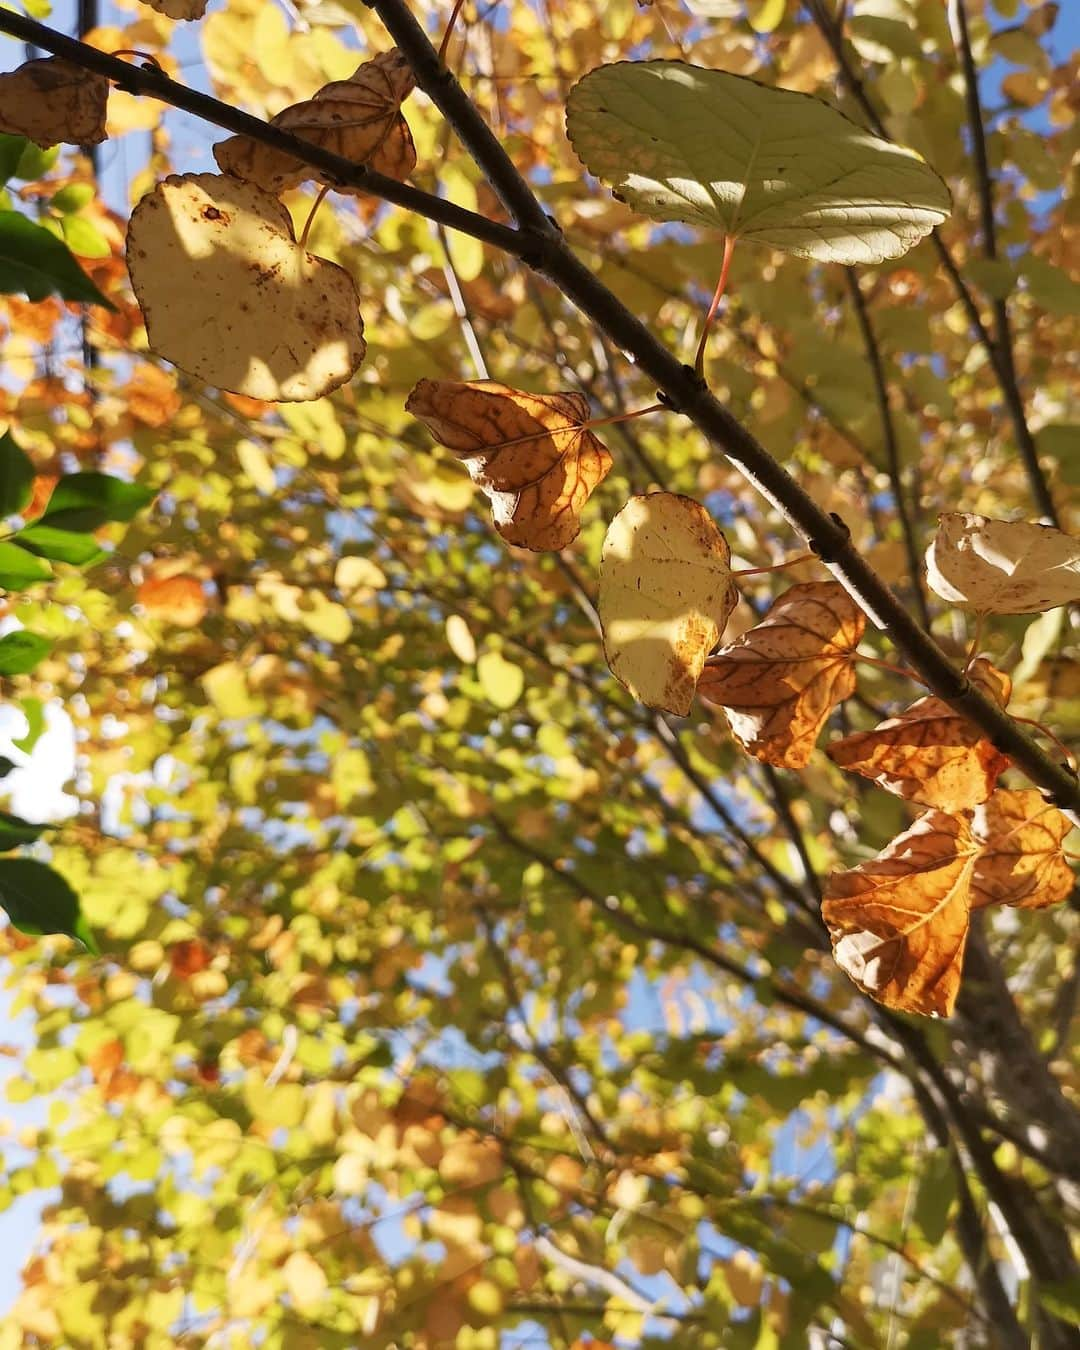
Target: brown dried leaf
x,y
179,9
530,453
52,101
1002,566
358,118
929,753
666,594
230,297
899,922
778,682
1021,862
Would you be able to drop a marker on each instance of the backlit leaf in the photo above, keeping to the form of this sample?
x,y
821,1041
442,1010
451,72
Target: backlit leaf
x,y
780,680
929,753
1021,861
679,142
178,600
1002,566
86,501
52,100
899,922
230,297
38,900
666,594
36,264
359,119
21,652
530,453
18,568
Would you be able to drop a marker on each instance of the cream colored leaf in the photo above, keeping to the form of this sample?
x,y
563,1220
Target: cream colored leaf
x,y
229,296
680,142
359,119
462,643
899,923
1002,566
355,576
52,101
530,453
501,680
780,680
929,753
1021,861
666,594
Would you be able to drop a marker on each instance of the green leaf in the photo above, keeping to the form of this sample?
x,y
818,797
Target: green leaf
x,y
34,711
6,766
84,238
36,161
15,831
16,477
502,681
678,142
20,652
1062,1299
11,151
61,545
72,198
39,900
936,1193
18,568
33,262
86,501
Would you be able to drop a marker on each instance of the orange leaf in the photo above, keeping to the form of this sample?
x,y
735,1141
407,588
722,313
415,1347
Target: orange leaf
x,y
530,453
778,682
899,922
1021,862
358,118
53,100
929,753
178,600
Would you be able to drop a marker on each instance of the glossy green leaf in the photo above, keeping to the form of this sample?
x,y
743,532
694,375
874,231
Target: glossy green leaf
x,y
21,652
15,831
36,264
16,477
18,568
86,501
68,546
38,900
772,166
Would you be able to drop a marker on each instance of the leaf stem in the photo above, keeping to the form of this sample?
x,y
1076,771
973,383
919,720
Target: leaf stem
x,y
1070,758
721,287
311,215
776,567
448,34
895,670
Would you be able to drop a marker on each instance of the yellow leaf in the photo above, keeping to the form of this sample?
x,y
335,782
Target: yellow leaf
x,y
357,577
501,680
781,679
530,453
461,640
52,100
256,466
899,923
666,594
304,1279
1021,861
229,296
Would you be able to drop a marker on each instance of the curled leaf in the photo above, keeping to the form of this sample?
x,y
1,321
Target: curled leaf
x,y
530,453
359,118
1002,566
179,9
929,753
1021,861
899,922
230,297
53,101
679,142
666,594
779,681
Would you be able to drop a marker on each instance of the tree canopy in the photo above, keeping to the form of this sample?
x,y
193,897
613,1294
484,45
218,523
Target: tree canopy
x,y
570,840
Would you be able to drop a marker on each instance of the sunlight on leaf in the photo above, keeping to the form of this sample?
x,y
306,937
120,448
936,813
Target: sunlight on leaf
x,y
529,453
776,167
230,297
778,682
1002,566
1021,862
52,101
666,594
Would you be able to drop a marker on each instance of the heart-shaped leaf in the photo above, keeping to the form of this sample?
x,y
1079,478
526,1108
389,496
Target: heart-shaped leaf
x,y
52,101
230,297
779,681
358,118
679,142
1021,862
530,453
1002,566
666,595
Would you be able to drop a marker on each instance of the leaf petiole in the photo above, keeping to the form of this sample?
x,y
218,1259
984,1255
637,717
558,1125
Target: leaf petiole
x,y
721,287
776,567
